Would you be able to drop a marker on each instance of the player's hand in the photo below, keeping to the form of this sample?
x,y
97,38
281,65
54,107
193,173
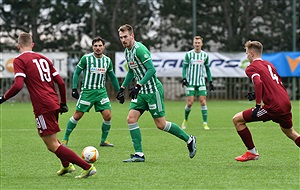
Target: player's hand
x,y
250,96
135,91
255,110
184,82
75,93
211,86
63,108
121,96
2,99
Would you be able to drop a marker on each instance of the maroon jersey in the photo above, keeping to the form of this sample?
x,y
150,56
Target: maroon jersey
x,y
272,91
38,73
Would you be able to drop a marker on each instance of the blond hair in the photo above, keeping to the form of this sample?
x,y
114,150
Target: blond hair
x,y
255,46
126,27
198,38
25,39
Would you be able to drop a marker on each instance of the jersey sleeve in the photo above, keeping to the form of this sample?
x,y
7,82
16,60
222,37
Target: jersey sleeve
x,y
19,68
110,66
112,76
82,63
252,73
208,73
143,54
185,65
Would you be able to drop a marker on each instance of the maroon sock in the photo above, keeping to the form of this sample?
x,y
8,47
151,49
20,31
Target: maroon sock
x,y
297,141
67,155
246,138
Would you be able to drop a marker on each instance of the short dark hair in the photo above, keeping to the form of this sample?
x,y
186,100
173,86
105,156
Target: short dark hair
x,y
98,39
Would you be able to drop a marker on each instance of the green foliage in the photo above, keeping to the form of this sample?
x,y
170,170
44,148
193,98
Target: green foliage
x,y
27,164
230,23
61,25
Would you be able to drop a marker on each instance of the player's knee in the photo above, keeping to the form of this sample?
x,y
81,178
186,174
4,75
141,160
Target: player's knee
x,y
131,119
236,119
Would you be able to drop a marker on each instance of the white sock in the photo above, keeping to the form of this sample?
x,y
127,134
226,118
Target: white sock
x,y
253,151
140,154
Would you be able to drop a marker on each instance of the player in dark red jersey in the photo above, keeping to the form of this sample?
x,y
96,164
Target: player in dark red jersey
x,y
270,91
39,75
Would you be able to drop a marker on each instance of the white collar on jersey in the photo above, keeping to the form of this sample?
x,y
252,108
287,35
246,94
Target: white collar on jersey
x,y
257,59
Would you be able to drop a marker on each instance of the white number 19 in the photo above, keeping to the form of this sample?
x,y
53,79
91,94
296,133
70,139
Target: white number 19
x,y
44,70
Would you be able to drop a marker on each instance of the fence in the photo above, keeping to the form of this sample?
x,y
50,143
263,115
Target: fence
x,y
226,88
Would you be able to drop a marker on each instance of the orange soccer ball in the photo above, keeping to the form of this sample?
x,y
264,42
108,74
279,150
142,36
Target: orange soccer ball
x,y
90,154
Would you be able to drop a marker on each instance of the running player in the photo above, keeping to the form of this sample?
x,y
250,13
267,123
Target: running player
x,y
270,91
147,95
39,75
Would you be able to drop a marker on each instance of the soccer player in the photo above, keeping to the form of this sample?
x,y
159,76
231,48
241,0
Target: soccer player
x,y
195,66
272,101
39,75
94,67
147,95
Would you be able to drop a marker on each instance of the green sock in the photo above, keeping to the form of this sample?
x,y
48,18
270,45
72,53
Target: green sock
x,y
204,113
136,136
70,127
105,130
186,112
174,129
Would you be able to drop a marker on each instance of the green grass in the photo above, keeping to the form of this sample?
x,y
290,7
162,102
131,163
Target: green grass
x,y
27,164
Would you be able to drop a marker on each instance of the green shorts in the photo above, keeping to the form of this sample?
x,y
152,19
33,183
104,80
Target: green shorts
x,y
153,102
196,91
97,98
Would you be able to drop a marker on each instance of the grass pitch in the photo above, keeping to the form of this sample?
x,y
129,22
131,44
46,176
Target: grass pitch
x,y
27,164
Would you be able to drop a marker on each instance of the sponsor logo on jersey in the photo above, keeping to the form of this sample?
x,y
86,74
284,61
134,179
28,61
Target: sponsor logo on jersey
x,y
98,70
196,61
132,65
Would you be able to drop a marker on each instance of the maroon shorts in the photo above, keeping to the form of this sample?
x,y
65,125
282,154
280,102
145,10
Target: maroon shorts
x,y
47,123
284,120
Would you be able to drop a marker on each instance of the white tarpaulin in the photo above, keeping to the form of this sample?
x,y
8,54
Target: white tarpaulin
x,y
169,64
59,60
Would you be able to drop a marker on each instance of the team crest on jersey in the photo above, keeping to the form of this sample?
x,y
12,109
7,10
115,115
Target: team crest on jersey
x,y
98,70
146,55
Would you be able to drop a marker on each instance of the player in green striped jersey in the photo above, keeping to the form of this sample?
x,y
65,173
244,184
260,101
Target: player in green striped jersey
x,y
147,95
193,73
94,67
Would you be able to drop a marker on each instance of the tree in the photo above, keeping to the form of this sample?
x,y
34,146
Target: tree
x,y
229,23
60,25
49,21
111,14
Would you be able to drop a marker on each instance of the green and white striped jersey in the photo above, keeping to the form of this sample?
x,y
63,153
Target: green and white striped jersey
x,y
195,64
136,57
94,70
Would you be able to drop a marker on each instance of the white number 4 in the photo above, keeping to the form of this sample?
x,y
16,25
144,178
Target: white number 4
x,y
44,69
274,76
